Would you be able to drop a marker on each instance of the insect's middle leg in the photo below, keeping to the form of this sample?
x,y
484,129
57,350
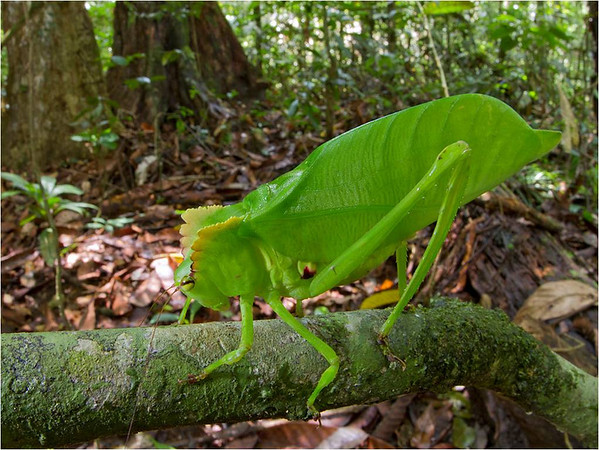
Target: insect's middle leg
x,y
322,347
247,339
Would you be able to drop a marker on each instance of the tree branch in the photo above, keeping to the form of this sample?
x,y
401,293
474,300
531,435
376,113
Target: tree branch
x,y
60,388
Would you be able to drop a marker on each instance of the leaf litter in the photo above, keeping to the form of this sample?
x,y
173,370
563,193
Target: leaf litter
x,y
492,256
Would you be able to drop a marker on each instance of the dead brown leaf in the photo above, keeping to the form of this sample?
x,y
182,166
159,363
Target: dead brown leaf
x,y
88,321
432,424
293,435
558,300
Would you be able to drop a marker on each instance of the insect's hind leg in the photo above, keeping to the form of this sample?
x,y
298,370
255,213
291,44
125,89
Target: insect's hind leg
x,y
451,203
330,276
247,339
401,261
322,347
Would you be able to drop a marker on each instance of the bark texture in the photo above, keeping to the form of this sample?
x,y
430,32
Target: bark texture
x,y
54,67
66,387
184,52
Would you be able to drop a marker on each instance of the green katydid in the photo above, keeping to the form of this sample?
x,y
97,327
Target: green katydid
x,y
350,205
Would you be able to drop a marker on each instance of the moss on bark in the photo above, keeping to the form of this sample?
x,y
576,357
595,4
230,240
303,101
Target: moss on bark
x,y
66,387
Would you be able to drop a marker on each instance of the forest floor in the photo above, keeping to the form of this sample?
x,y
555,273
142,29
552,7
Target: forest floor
x,y
498,253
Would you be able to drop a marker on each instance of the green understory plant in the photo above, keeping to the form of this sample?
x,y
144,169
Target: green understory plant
x,y
46,201
109,225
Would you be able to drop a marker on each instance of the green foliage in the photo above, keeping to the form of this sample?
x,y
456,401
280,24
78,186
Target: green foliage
x,y
47,248
446,7
46,201
509,50
98,125
52,204
118,60
100,223
101,14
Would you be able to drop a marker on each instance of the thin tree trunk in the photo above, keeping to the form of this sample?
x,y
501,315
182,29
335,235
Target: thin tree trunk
x,y
258,21
61,388
391,31
330,91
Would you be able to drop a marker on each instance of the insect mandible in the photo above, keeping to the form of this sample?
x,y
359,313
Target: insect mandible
x,y
350,205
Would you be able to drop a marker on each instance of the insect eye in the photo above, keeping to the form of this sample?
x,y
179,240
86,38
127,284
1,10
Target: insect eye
x,y
187,282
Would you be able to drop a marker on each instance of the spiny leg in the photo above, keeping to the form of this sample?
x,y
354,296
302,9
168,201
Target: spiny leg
x,y
452,158
451,202
321,347
247,339
370,241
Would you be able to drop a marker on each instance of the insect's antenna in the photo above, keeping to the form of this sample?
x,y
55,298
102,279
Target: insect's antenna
x,y
147,359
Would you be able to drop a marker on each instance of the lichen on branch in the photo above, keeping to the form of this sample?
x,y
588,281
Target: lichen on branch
x,y
61,388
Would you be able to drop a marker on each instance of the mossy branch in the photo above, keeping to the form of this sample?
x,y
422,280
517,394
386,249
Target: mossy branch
x,y
65,387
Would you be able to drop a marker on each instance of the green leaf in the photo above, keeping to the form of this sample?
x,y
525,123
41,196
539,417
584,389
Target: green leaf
x,y
94,226
119,60
449,7
15,179
158,444
66,189
109,140
48,184
48,246
27,219
171,56
132,83
383,298
7,194
293,108
79,138
78,207
52,201
463,436
321,310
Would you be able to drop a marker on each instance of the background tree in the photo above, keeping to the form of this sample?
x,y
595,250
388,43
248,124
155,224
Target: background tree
x,y
54,69
172,55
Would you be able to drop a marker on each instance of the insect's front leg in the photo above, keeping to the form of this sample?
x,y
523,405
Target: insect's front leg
x,y
247,339
183,313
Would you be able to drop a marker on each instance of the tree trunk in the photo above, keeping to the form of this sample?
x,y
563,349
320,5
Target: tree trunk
x,y
259,34
60,388
391,31
330,83
54,68
592,28
176,54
